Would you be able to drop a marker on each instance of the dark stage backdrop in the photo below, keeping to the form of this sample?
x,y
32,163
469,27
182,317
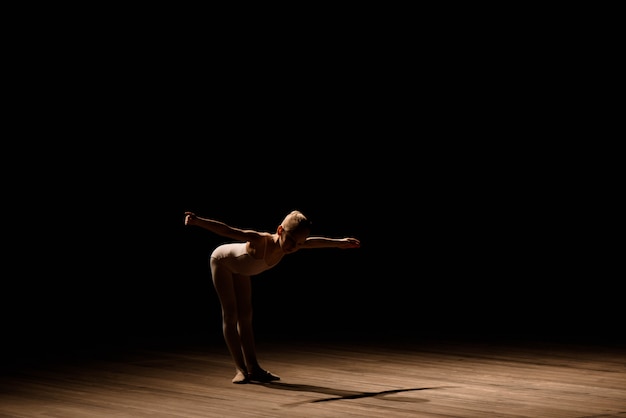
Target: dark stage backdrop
x,y
467,156
454,243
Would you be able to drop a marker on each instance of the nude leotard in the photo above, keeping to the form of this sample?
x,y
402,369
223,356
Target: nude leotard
x,y
235,257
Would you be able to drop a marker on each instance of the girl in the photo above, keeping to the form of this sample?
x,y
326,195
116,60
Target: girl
x,y
233,264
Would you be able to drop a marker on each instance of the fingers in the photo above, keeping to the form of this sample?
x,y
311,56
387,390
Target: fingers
x,y
352,243
188,217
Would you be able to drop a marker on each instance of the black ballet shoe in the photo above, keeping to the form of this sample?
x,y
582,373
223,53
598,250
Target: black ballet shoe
x,y
240,378
262,376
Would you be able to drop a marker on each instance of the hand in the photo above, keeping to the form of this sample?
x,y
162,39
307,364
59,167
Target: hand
x,y
351,243
189,218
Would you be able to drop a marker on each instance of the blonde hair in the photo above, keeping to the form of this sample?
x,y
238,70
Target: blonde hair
x,y
296,220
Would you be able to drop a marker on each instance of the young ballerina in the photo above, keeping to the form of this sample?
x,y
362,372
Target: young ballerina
x,y
233,264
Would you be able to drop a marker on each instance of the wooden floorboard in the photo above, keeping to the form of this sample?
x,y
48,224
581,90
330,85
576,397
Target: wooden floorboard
x,y
328,379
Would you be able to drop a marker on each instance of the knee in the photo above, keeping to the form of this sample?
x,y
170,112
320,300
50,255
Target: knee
x,y
245,316
229,319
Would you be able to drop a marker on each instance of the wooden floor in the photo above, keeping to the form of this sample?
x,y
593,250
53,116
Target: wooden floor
x,y
328,379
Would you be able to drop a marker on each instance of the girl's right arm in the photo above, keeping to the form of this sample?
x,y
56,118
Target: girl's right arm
x,y
220,228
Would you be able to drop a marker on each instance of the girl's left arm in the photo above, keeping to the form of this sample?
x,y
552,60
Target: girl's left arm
x,y
325,242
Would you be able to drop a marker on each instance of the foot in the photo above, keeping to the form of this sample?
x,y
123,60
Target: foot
x,y
240,378
260,375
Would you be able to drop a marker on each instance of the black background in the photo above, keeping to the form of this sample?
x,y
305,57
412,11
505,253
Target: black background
x,y
452,160
451,245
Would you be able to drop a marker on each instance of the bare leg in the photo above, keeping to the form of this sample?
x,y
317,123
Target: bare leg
x,y
243,293
223,281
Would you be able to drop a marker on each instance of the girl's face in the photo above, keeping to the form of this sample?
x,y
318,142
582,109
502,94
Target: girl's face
x,y
291,241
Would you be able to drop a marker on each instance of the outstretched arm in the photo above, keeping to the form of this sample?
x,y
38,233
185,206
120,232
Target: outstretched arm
x,y
324,242
220,228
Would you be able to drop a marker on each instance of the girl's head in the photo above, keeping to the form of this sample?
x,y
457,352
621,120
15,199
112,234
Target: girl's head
x,y
293,231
